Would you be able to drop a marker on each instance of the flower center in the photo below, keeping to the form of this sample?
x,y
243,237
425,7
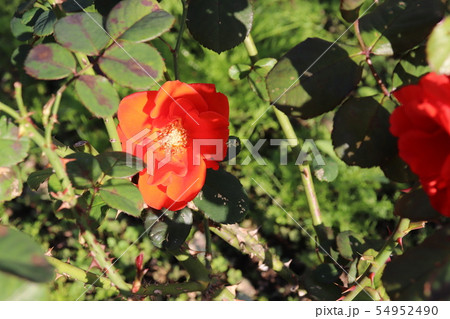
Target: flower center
x,y
173,137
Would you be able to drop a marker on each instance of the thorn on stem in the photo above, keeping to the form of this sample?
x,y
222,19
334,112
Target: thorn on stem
x,y
400,242
372,277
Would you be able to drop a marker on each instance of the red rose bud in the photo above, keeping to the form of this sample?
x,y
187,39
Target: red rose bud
x,y
422,125
138,262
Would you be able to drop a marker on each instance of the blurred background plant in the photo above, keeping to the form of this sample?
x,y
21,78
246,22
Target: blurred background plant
x,y
358,199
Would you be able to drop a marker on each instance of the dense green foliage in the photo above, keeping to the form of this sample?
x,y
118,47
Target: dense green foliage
x,y
360,200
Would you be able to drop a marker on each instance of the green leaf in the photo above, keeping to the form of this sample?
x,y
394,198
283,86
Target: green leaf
x,y
10,183
169,230
258,85
349,244
20,54
328,172
50,62
35,179
97,94
398,171
138,21
82,32
325,79
84,170
350,9
361,133
105,6
122,195
139,72
411,67
19,30
404,23
76,5
44,24
21,256
344,245
422,272
222,198
219,25
117,164
96,207
239,71
326,274
17,289
264,66
30,17
54,185
14,147
313,283
416,206
366,260
438,48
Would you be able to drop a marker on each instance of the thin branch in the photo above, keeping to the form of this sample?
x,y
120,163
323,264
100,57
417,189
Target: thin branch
x,y
403,228
208,251
367,51
247,243
289,132
101,258
176,51
35,134
90,278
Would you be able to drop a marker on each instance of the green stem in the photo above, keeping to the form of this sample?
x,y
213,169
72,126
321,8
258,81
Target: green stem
x,y
79,274
286,126
19,99
176,51
242,240
305,171
380,260
10,111
367,52
251,48
35,135
54,160
83,61
289,132
311,195
113,135
101,258
208,250
105,283
54,116
193,266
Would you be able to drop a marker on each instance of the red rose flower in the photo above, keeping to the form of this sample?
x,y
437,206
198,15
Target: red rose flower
x,y
422,125
179,131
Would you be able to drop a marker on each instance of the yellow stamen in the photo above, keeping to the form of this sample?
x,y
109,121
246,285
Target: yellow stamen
x,y
173,137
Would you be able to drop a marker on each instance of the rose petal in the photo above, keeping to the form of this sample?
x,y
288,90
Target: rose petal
x,y
424,152
133,113
170,92
217,102
156,197
185,188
